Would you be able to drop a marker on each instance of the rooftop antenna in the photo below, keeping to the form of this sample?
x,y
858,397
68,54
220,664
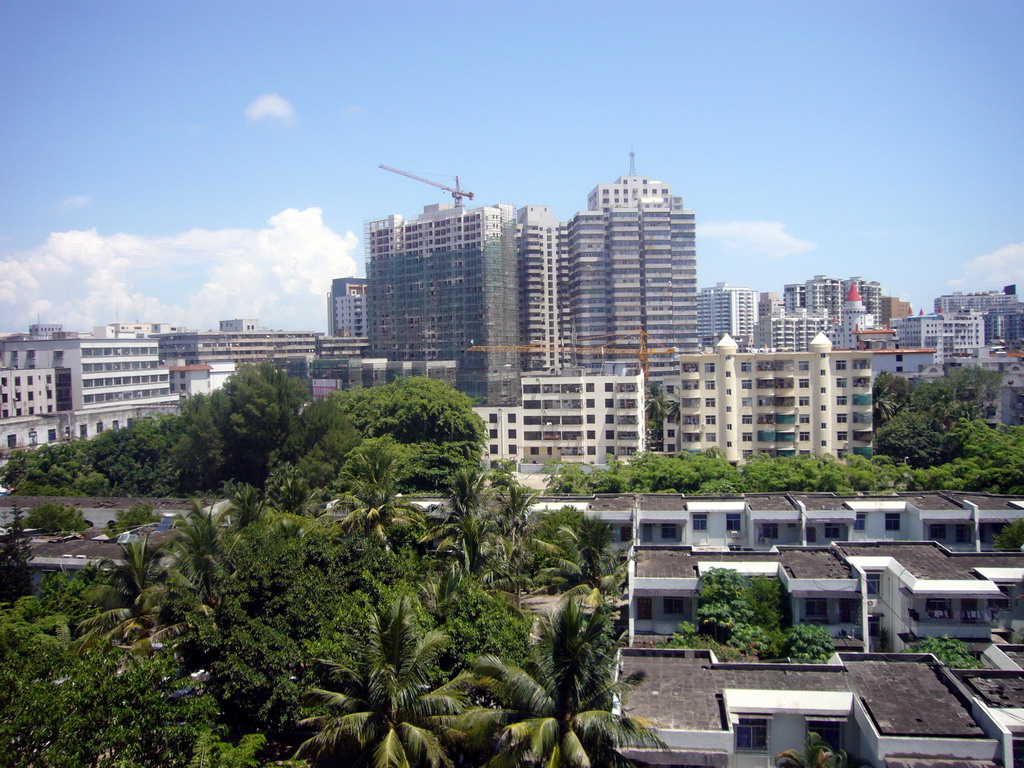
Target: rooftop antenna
x,y
632,161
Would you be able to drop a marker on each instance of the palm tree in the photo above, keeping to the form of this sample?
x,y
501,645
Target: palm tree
x,y
560,708
383,712
373,502
587,564
468,493
288,491
517,519
131,598
815,754
247,506
200,552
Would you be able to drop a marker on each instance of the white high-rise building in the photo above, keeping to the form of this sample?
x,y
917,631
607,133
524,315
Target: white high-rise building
x,y
951,334
726,309
542,241
828,294
981,301
632,265
792,331
346,307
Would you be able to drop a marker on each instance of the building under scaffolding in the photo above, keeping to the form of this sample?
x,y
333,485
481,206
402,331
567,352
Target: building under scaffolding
x,y
442,283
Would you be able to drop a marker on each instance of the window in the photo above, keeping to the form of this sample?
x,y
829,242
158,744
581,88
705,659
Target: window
x,y
492,418
609,387
831,531
746,402
700,521
709,367
937,531
673,605
861,522
746,367
939,608
609,418
874,581
962,535
710,419
770,531
805,436
12,441
746,384
803,365
511,418
709,402
841,383
830,731
732,521
842,436
815,609
494,449
513,449
643,608
609,434
841,400
492,433
805,384
709,385
892,521
752,734
805,418
669,531
609,402
747,418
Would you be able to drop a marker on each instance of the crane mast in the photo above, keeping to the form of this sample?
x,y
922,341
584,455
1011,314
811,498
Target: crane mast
x,y
457,191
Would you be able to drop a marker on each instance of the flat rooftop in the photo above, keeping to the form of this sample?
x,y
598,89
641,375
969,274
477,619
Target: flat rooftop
x,y
663,502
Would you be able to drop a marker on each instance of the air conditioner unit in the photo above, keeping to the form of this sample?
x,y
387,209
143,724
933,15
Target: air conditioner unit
x,y
872,603
734,534
764,539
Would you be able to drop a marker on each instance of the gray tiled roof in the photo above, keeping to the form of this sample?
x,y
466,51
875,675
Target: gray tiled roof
x,y
814,564
670,502
677,562
683,691
930,561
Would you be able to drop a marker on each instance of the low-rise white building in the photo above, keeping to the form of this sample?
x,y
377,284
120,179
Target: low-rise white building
x,y
189,380
949,334
574,415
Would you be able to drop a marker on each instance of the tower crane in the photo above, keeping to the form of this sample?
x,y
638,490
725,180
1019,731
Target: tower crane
x,y
646,347
457,191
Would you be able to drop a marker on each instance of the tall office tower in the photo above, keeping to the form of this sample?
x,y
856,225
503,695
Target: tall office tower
x,y
829,294
726,309
632,265
768,303
346,307
442,283
892,308
541,239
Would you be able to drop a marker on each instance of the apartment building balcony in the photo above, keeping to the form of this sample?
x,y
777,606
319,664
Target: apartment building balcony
x,y
766,435
861,382
785,418
689,403
862,399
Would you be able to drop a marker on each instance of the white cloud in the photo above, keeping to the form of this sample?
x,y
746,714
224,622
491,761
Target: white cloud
x,y
74,202
994,270
271,107
354,111
280,274
755,238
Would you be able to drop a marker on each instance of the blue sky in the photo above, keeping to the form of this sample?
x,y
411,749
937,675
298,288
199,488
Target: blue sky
x,y
187,162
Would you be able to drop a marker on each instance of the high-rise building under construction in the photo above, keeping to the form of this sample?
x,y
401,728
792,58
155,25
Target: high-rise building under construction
x,y
442,283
